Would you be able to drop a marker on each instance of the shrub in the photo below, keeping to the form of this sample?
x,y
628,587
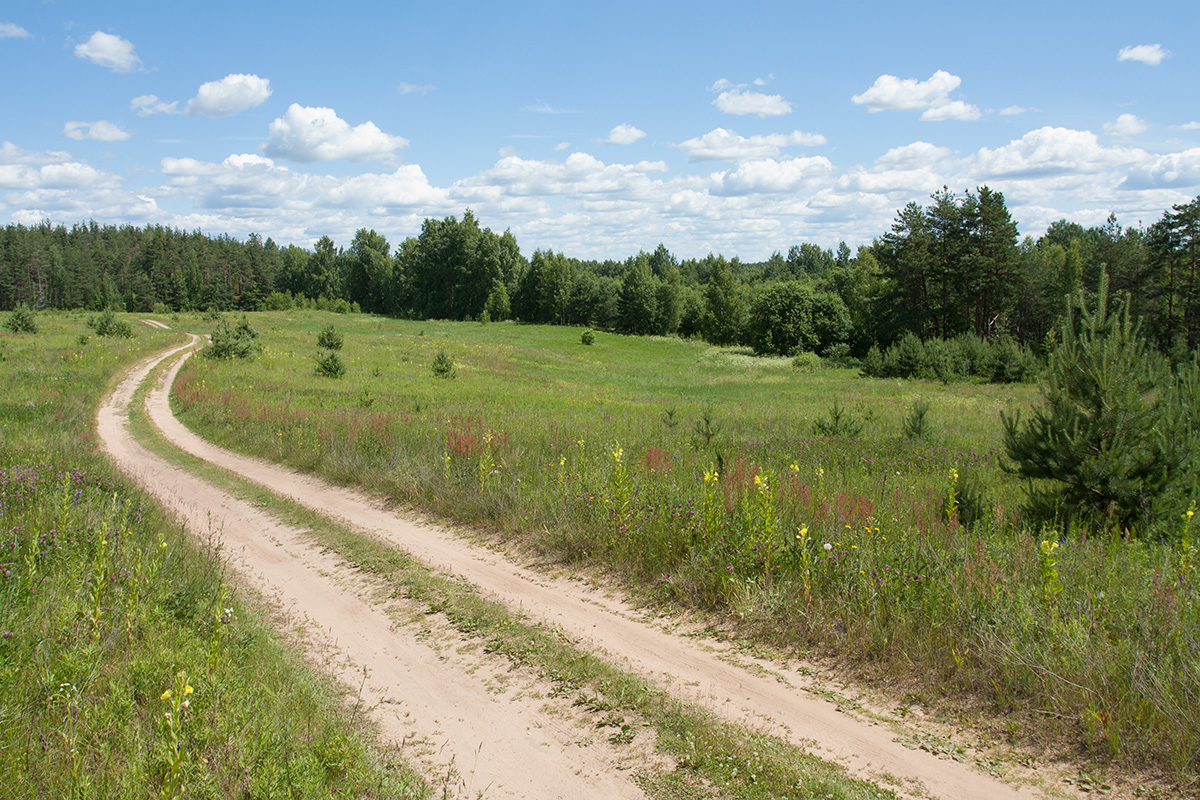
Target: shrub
x,y
1012,363
916,425
229,342
21,320
107,324
841,424
443,365
278,301
329,338
806,362
588,337
330,364
872,365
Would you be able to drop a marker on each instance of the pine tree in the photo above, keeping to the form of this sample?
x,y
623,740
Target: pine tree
x,y
1099,445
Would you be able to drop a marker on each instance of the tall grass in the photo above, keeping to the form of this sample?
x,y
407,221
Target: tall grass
x,y
128,665
694,473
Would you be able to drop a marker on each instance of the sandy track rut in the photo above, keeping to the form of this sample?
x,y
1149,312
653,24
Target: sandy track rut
x,y
510,743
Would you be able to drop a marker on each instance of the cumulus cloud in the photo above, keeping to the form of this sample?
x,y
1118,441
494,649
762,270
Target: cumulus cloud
x,y
954,109
917,154
412,88
148,104
230,95
624,134
720,144
1190,126
1152,54
109,51
98,131
1171,169
737,98
11,154
1126,127
738,101
1050,151
9,30
769,176
932,96
306,134
1013,111
561,146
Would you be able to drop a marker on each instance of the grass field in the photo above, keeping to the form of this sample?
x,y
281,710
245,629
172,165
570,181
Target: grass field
x,y
128,666
697,476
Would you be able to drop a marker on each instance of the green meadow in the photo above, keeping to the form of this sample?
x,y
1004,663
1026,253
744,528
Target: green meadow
x,y
129,666
793,507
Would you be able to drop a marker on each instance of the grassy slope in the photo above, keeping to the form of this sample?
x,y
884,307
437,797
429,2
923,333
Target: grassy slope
x,y
105,607
848,545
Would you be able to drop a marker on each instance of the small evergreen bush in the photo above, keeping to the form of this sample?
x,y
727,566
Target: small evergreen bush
x,y
329,338
443,365
330,364
107,324
588,337
229,342
840,424
21,320
916,425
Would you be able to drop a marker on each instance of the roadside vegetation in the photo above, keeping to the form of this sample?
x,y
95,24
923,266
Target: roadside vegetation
x,y
129,665
819,511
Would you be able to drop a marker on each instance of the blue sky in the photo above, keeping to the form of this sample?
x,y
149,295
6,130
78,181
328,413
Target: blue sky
x,y
594,129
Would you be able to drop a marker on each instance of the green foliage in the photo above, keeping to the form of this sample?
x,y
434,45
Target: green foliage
x,y
1102,447
443,365
229,342
806,362
839,424
329,338
107,324
21,320
916,424
329,364
588,337
965,356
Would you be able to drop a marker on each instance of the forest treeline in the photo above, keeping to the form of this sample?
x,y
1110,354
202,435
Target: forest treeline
x,y
955,267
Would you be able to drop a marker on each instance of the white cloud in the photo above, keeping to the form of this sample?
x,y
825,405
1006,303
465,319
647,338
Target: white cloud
x,y
11,154
1127,126
230,95
768,176
542,107
720,144
9,30
1172,169
954,109
148,104
1152,54
1190,126
890,93
109,51
917,154
1048,152
561,146
737,101
932,96
98,131
412,88
1013,111
307,134
624,134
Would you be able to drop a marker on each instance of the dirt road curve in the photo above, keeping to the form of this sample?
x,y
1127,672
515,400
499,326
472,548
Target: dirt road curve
x,y
511,741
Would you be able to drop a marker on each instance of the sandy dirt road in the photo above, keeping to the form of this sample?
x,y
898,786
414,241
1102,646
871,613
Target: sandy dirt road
x,y
515,743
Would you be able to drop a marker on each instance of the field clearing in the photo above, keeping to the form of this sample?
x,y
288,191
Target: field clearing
x,y
905,557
